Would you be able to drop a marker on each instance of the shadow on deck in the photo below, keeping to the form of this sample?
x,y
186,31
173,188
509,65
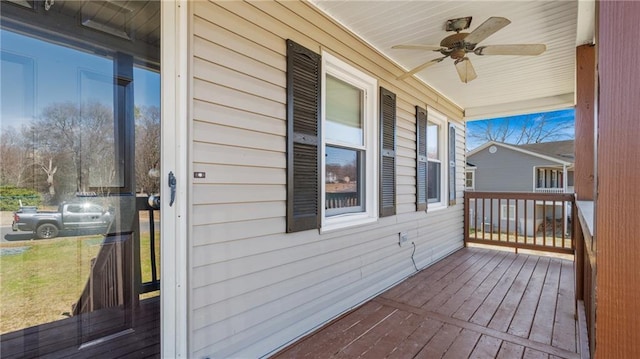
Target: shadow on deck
x,y
476,303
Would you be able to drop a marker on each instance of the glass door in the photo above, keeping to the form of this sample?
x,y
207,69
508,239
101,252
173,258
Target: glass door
x,y
79,171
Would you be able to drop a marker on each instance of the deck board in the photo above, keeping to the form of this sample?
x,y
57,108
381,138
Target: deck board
x,y
413,344
542,328
490,305
487,347
523,317
477,303
509,350
463,345
502,317
40,341
565,325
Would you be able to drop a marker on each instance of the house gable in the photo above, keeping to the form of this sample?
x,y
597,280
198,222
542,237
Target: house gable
x,y
506,168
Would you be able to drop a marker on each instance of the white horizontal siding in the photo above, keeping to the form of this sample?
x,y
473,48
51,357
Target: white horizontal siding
x,y
253,287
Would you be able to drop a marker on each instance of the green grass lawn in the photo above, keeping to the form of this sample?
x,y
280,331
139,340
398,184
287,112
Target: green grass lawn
x,y
42,279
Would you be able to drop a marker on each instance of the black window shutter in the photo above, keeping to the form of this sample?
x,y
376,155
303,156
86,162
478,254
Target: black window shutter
x,y
303,136
421,159
387,153
452,164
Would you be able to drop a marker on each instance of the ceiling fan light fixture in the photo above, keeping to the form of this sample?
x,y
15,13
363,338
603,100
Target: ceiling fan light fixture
x,y
458,24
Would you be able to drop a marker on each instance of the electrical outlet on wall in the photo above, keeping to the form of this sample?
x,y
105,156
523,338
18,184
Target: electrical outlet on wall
x,y
403,237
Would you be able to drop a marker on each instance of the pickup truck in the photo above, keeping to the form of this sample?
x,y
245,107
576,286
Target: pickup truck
x,y
69,216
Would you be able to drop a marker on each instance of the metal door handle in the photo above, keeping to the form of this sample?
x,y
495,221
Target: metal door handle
x,y
172,185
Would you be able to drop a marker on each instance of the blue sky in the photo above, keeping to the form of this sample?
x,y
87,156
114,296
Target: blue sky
x,y
35,74
564,119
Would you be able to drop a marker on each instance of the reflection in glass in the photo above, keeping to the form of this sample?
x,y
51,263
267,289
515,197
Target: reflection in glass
x,y
433,188
432,141
69,108
344,112
97,134
343,181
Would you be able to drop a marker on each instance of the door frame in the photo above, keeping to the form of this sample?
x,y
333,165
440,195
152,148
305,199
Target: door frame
x,y
174,286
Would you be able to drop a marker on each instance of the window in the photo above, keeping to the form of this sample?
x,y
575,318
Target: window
x,y
435,164
541,178
436,156
341,156
348,148
549,178
431,178
469,179
507,211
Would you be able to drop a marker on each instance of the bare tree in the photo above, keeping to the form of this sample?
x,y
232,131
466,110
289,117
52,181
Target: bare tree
x,y
80,139
147,149
50,172
533,128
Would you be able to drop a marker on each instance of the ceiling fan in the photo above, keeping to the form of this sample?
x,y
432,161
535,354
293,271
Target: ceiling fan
x,y
458,45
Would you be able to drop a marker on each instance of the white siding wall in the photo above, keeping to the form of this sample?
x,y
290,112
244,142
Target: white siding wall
x,y
254,287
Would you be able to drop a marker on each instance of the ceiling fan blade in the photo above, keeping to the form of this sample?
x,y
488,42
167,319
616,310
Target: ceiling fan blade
x,y
486,29
420,68
465,70
523,49
417,47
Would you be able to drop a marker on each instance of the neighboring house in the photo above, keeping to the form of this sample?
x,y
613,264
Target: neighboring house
x,y
538,168
253,146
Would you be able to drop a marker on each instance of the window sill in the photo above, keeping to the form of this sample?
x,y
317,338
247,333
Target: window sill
x,y
434,207
346,221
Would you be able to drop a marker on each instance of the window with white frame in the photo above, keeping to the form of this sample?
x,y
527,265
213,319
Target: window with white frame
x,y
508,212
436,152
348,151
469,179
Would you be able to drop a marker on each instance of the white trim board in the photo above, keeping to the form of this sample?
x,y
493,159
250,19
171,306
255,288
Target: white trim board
x,y
174,69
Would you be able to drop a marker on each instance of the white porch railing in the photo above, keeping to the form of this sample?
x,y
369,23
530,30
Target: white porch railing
x,y
549,190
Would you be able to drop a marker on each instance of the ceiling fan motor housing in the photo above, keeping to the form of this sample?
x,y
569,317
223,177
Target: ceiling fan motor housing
x,y
455,46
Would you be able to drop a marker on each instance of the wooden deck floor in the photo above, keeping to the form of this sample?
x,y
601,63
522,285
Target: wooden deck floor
x,y
476,303
58,339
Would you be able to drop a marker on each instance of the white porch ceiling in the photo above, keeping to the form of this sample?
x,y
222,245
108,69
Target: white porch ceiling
x,y
506,84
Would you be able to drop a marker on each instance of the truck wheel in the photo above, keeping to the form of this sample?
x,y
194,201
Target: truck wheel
x,y
46,231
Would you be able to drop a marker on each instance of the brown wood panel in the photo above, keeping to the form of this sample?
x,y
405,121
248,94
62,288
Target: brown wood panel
x,y
425,286
542,327
523,317
423,293
504,315
534,354
363,343
417,340
388,343
565,326
487,347
389,326
437,269
465,280
463,345
509,350
338,334
440,343
471,288
584,122
618,247
485,312
466,311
